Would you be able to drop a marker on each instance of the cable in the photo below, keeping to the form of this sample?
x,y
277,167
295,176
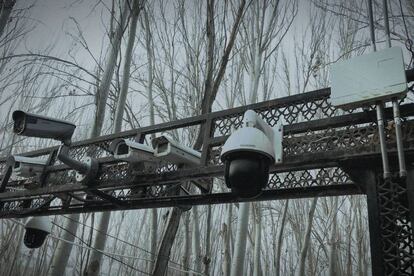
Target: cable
x,y
102,252
108,254
85,246
130,244
109,235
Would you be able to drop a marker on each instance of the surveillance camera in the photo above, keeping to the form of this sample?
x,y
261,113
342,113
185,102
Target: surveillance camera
x,y
248,154
32,125
167,148
28,166
37,229
131,151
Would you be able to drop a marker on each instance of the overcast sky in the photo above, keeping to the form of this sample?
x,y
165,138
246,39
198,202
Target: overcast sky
x,y
55,17
55,21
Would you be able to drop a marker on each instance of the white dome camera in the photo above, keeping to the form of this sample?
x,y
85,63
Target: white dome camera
x,y
37,229
248,154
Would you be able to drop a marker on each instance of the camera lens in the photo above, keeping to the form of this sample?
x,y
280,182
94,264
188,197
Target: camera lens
x,y
19,126
247,174
34,238
122,149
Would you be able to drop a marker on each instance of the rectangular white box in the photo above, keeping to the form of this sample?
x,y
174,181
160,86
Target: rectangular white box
x,y
367,79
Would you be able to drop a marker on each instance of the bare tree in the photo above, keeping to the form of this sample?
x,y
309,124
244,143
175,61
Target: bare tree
x,y
102,94
306,239
209,94
6,7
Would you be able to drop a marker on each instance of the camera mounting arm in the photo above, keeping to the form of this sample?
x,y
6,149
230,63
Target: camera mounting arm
x,y
275,134
85,172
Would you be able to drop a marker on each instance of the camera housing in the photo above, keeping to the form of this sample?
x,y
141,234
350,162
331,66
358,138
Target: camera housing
x,y
131,151
33,125
168,149
369,78
28,166
37,229
248,153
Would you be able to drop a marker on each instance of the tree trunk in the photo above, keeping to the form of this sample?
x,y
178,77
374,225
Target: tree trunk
x,y
211,86
99,244
227,243
150,55
207,256
196,240
280,239
333,268
153,235
167,242
306,242
257,240
6,8
359,236
105,85
208,99
187,244
150,58
102,95
20,233
62,253
120,106
237,267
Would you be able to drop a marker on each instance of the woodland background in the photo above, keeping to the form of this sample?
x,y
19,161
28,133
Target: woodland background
x,y
115,65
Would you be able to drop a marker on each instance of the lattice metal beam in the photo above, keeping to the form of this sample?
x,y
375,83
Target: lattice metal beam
x,y
317,137
327,152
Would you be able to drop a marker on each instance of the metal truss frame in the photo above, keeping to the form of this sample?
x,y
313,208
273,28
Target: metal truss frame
x,y
327,152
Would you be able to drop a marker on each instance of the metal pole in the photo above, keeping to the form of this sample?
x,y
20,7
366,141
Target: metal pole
x,y
380,119
63,156
395,104
398,136
369,180
380,114
386,22
371,25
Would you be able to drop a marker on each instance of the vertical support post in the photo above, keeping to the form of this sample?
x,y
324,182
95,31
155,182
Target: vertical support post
x,y
399,138
368,181
377,257
410,197
384,155
389,218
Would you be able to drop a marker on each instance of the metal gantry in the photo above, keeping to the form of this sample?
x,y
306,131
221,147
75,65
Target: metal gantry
x,y
327,152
